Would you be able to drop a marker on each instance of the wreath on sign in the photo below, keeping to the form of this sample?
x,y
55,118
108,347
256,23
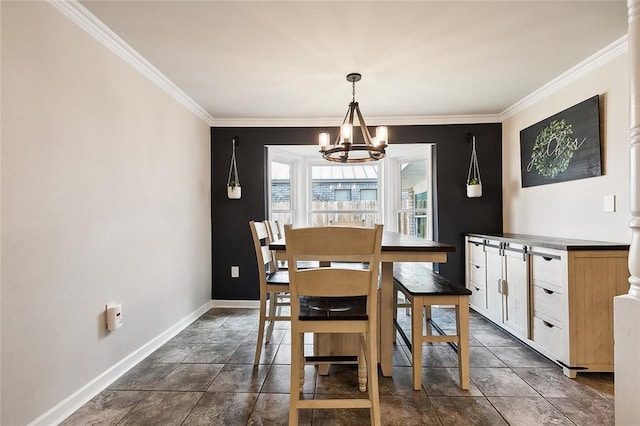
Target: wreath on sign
x,y
553,149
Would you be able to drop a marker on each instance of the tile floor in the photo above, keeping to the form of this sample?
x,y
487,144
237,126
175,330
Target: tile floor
x,y
205,375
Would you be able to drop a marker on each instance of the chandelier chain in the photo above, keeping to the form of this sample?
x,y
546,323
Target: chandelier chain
x,y
353,93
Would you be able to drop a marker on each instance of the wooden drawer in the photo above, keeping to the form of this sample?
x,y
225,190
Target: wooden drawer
x,y
477,298
476,251
549,305
477,274
549,336
549,271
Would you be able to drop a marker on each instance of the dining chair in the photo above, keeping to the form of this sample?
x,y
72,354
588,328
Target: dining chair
x,y
275,233
333,299
273,227
274,286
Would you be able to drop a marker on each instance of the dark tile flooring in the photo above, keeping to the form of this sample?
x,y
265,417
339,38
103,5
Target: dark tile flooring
x,y
205,375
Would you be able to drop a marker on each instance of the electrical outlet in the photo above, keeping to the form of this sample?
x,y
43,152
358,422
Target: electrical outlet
x,y
114,316
235,271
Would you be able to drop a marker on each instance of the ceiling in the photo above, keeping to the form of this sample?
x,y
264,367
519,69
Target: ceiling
x,y
277,62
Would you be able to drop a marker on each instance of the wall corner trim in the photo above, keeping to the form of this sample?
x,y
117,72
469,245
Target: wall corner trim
x,y
96,28
73,402
593,62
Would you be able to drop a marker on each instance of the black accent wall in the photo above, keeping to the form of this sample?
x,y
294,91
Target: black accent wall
x,y
457,214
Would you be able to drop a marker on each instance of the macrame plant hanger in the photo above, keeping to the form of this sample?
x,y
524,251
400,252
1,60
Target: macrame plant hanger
x,y
474,184
234,191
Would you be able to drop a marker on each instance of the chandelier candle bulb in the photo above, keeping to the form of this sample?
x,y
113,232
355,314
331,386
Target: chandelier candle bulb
x,y
324,141
381,135
346,133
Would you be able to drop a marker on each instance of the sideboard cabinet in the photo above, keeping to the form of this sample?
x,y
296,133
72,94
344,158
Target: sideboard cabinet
x,y
556,295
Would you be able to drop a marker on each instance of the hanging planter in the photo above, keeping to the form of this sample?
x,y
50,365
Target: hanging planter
x,y
234,191
474,184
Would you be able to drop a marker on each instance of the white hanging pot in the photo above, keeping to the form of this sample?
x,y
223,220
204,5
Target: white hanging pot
x,y
234,192
474,190
474,184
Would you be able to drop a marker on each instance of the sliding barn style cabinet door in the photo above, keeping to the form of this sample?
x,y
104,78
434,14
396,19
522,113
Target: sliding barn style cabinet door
x,y
498,279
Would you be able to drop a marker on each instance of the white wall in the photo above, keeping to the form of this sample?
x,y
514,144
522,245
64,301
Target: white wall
x,y
105,197
574,209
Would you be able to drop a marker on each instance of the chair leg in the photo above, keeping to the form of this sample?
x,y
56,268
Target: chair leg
x,y
273,300
362,366
323,345
395,313
462,320
407,310
371,344
294,385
263,309
427,317
301,363
416,341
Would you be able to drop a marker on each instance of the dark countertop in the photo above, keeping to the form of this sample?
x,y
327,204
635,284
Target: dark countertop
x,y
553,243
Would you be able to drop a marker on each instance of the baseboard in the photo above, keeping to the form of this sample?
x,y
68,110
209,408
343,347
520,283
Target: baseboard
x,y
83,395
242,304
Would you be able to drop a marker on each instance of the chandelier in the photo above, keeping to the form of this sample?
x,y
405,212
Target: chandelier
x,y
344,149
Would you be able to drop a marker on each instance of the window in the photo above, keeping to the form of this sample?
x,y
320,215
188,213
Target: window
x,y
336,194
306,191
368,194
342,194
281,206
414,216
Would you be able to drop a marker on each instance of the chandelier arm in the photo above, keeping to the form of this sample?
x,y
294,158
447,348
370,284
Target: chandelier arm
x,y
344,120
352,107
363,127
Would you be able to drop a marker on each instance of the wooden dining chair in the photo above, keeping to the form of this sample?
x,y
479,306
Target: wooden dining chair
x,y
331,300
273,227
276,233
274,286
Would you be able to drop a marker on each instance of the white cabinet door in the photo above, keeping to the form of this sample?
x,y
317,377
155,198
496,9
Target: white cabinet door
x,y
494,283
516,293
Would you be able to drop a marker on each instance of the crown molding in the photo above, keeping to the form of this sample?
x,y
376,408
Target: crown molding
x,y
608,53
87,21
96,28
371,121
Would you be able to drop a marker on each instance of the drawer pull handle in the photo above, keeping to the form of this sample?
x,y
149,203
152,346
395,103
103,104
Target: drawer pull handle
x,y
475,244
477,289
548,291
477,266
548,259
548,324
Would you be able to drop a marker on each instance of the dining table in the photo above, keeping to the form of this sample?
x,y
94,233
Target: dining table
x,y
396,247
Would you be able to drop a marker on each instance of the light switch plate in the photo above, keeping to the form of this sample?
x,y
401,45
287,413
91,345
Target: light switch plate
x,y
235,271
609,203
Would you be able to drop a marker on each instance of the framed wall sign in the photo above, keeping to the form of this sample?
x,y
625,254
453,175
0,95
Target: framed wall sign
x,y
565,146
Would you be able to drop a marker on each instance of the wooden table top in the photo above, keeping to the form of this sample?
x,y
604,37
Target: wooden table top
x,y
393,241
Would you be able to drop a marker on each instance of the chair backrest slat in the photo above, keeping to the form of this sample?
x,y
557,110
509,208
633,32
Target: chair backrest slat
x,y
338,245
327,282
273,229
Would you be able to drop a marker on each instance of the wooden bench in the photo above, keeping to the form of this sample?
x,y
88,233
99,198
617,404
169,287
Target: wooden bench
x,y
424,288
